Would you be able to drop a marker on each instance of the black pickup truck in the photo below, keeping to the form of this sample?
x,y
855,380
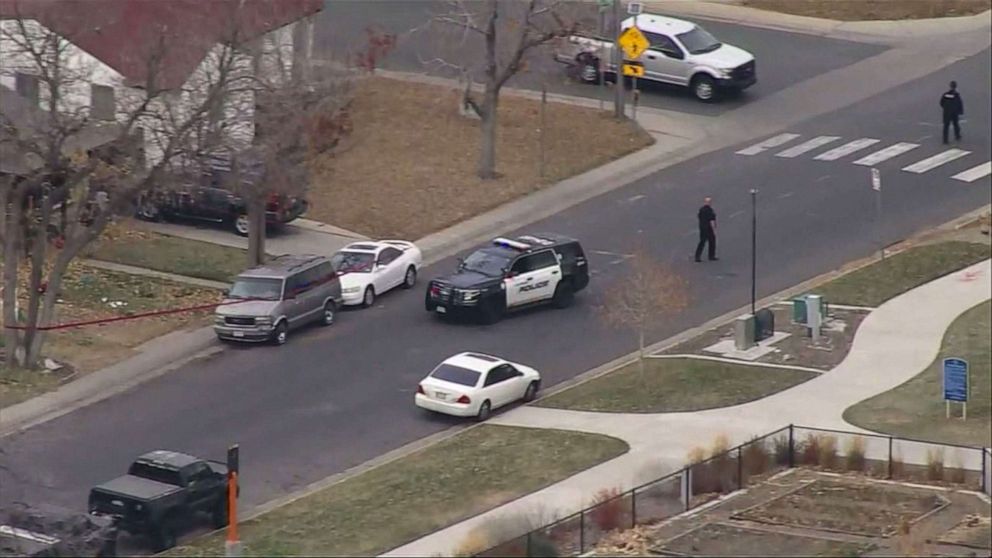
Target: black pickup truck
x,y
161,494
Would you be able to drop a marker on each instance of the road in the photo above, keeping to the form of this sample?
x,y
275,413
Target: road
x,y
784,59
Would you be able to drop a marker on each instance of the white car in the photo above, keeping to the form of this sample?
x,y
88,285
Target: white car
x,y
369,268
473,384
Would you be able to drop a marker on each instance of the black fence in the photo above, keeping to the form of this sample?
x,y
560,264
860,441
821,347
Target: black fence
x,y
749,464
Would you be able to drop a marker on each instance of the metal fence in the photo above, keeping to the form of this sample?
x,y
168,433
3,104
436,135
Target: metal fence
x,y
749,464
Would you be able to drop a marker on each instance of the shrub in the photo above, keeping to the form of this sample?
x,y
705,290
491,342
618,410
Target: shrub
x,y
608,513
696,455
935,464
755,457
809,450
855,454
897,466
720,445
828,452
475,542
782,450
956,474
542,547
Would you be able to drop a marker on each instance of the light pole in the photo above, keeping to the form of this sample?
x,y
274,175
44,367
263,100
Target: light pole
x,y
754,245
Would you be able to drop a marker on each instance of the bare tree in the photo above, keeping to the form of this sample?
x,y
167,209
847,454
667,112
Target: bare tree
x,y
648,293
78,173
509,31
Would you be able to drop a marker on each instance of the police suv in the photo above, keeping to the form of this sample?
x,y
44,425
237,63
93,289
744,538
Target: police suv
x,y
510,274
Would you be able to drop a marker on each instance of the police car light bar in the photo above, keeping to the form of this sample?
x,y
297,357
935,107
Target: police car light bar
x,y
505,242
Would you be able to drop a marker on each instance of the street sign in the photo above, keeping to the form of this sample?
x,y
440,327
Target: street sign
x,y
635,69
604,4
633,42
876,180
635,8
956,380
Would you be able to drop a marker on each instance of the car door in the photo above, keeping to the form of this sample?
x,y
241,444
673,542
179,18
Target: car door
x,y
665,60
392,274
546,271
199,485
293,299
498,388
311,299
521,283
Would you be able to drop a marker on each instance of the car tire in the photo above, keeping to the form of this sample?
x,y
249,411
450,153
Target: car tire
x,y
704,88
327,316
564,295
485,411
165,536
281,333
148,211
219,516
588,71
531,393
240,224
368,299
492,312
410,279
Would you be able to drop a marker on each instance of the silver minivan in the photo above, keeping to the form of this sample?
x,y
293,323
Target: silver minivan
x,y
266,302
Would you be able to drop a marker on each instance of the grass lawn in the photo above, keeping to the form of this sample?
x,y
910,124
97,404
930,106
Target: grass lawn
x,y
858,10
400,501
916,410
874,284
88,294
675,384
408,168
181,256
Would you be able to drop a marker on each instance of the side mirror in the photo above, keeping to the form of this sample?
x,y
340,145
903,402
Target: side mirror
x,y
226,293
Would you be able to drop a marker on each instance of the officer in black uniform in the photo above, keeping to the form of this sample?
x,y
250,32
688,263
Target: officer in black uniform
x,y
953,108
707,230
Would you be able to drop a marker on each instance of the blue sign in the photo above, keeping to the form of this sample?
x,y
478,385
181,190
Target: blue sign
x,y
955,379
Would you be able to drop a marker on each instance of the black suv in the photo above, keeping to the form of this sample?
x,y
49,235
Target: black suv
x,y
510,274
208,197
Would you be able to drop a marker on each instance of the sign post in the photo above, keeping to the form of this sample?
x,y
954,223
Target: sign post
x,y
876,185
956,385
635,9
633,43
232,547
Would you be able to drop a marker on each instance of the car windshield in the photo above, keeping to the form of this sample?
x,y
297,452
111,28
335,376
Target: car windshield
x,y
456,375
256,288
486,263
699,41
353,262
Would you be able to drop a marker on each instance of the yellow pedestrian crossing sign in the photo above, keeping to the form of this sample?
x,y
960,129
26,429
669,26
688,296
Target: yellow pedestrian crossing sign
x,y
633,69
633,42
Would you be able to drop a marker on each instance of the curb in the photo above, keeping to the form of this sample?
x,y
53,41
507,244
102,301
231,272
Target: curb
x,y
145,272
317,226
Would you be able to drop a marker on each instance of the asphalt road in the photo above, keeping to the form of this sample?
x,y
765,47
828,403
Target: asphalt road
x,y
783,58
334,398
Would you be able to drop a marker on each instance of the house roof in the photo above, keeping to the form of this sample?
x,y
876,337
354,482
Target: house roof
x,y
125,34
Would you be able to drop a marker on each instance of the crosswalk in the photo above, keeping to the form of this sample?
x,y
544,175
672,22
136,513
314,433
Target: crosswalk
x,y
780,146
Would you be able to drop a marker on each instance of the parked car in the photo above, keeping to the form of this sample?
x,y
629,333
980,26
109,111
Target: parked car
x,y
215,204
680,53
474,384
511,274
160,495
288,292
370,268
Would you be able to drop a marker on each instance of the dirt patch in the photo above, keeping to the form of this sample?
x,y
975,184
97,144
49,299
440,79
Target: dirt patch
x,y
835,505
798,348
409,167
864,10
711,538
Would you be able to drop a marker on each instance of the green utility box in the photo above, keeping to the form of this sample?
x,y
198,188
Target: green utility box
x,y
799,309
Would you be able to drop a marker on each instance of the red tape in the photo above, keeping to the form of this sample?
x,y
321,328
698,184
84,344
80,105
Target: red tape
x,y
133,317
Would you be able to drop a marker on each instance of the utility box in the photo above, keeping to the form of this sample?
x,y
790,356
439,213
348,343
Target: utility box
x,y
744,332
800,307
764,324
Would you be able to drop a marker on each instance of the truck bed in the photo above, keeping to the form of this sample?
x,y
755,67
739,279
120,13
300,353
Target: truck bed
x,y
137,488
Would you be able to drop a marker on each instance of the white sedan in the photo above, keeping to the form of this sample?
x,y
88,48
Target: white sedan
x,y
370,268
473,384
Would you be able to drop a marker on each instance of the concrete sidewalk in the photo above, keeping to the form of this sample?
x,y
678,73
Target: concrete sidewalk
x,y
893,344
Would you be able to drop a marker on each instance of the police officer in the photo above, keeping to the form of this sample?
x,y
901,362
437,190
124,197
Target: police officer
x,y
707,230
953,108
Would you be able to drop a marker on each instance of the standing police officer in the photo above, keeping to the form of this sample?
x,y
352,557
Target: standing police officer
x,y
953,108
707,230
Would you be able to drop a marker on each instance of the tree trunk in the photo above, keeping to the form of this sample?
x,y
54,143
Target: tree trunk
x,y
38,244
11,202
487,155
256,231
47,314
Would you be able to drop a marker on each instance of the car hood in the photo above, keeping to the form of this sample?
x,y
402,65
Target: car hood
x,y
726,57
468,280
352,280
231,307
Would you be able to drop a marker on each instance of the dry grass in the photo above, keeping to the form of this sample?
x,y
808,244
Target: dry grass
x,y
860,10
409,167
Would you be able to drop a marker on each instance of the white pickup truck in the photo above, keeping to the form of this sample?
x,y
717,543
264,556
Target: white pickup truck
x,y
681,53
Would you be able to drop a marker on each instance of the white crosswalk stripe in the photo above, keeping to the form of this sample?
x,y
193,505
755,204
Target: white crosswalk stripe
x,y
846,149
810,145
935,161
886,154
768,144
974,173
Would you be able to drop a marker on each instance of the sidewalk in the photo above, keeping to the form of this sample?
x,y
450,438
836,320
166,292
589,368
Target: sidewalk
x,y
893,344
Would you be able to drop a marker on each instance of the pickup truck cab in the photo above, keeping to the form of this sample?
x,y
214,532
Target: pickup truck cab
x,y
161,493
681,53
